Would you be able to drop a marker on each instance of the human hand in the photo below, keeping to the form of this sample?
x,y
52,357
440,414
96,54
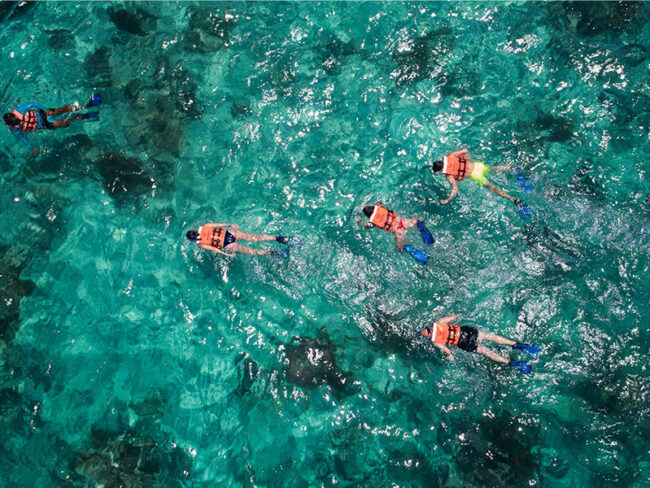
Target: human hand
x,y
445,201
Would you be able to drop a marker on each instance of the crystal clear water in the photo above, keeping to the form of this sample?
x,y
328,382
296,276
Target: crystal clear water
x,y
129,357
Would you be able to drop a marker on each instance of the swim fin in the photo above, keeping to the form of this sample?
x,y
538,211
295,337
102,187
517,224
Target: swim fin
x,y
295,242
427,238
95,100
532,350
90,116
284,253
525,212
522,181
522,366
419,256
290,241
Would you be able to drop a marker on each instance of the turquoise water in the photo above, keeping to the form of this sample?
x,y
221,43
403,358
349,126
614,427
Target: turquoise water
x,y
129,357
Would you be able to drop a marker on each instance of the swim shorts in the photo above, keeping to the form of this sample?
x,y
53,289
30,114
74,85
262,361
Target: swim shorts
x,y
479,173
46,124
468,339
228,239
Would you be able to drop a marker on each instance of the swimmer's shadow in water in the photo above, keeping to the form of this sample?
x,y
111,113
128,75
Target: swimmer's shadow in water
x,y
248,372
127,178
311,363
132,21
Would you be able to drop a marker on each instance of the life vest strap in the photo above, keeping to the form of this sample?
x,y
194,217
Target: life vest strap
x,y
218,234
453,334
462,167
28,120
390,218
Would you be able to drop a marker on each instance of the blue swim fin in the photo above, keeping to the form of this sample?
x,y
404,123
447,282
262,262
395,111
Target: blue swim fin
x,y
90,116
522,181
284,253
525,212
532,350
295,242
290,241
427,238
419,256
522,366
95,100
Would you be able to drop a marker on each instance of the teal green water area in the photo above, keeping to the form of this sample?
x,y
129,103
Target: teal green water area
x,y
131,357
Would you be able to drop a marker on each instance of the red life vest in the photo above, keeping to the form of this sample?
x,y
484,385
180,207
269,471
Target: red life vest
x,y
385,219
455,166
212,236
28,121
446,334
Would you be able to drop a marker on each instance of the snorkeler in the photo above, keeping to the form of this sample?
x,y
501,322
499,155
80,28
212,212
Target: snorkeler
x,y
458,166
223,237
26,119
380,217
443,333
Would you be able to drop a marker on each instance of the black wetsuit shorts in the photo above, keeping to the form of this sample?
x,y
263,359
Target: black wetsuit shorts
x,y
468,340
46,123
229,239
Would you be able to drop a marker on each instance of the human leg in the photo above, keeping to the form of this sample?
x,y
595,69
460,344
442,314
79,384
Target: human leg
x,y
400,240
484,336
245,236
492,355
61,110
238,248
63,123
500,169
410,223
490,186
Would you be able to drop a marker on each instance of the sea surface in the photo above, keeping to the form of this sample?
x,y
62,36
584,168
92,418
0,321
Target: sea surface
x,y
130,357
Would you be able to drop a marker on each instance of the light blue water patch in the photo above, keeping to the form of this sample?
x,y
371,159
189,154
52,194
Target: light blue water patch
x,y
132,357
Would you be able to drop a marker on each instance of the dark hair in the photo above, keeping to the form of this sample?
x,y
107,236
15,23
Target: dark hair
x,y
10,119
192,235
437,166
368,210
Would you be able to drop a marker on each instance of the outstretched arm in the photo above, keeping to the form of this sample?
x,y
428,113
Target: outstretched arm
x,y
363,224
454,189
448,318
30,105
443,348
210,248
461,152
400,241
19,135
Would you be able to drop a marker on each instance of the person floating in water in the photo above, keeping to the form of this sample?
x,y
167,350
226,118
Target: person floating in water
x,y
223,237
33,116
443,334
380,217
458,165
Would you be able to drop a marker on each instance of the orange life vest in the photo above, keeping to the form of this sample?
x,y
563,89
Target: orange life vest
x,y
385,219
28,121
212,236
455,166
447,334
